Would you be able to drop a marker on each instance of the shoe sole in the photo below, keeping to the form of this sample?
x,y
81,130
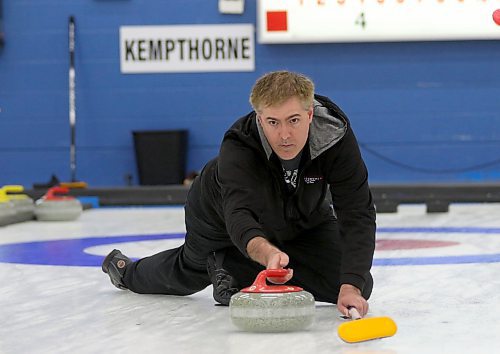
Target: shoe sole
x,y
107,260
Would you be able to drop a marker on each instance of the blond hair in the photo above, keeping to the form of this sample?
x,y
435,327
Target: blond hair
x,y
277,87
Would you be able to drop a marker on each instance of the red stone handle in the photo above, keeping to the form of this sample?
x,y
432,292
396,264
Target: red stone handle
x,y
57,193
260,284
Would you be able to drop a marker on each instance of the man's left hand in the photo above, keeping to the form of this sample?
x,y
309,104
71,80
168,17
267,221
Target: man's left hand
x,y
350,296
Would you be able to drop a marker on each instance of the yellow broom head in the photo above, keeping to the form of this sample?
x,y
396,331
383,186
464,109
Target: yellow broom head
x,y
367,329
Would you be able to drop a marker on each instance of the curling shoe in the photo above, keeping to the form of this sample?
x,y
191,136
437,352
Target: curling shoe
x,y
224,284
114,265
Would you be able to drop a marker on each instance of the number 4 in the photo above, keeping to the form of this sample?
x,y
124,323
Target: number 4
x,y
360,20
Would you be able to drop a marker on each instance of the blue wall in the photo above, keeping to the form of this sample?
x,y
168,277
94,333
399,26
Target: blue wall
x,y
423,111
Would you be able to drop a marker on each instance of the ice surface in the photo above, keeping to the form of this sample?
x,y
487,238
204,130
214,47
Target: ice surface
x,y
439,308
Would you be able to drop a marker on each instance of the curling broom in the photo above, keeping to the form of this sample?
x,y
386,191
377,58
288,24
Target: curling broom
x,y
362,329
72,108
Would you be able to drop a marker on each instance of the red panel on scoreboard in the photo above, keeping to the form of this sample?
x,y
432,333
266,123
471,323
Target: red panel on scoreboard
x,y
277,21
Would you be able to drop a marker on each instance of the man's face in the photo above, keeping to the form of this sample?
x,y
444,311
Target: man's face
x,y
286,127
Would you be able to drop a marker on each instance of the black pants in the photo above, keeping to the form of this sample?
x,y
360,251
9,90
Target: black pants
x,y
315,257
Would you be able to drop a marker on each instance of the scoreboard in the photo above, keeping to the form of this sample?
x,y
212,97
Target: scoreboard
x,y
306,21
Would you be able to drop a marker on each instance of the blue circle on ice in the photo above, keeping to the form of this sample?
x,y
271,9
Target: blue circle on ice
x,y
70,252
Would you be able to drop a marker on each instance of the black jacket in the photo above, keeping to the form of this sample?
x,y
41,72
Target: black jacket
x,y
242,193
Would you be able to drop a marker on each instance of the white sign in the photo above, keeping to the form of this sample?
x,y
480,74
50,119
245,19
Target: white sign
x,y
232,6
302,21
187,48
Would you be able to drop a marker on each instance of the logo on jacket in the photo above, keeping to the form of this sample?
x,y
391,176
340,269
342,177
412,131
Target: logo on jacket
x,y
312,179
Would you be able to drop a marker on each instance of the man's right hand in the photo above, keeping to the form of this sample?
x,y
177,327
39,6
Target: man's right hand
x,y
279,260
264,252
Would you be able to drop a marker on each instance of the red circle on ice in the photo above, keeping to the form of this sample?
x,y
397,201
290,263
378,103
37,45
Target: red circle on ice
x,y
386,245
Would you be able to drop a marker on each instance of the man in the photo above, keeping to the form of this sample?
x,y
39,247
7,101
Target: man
x,y
289,189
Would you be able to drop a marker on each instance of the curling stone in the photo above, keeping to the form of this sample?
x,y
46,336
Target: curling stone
x,y
7,210
23,204
272,308
56,206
